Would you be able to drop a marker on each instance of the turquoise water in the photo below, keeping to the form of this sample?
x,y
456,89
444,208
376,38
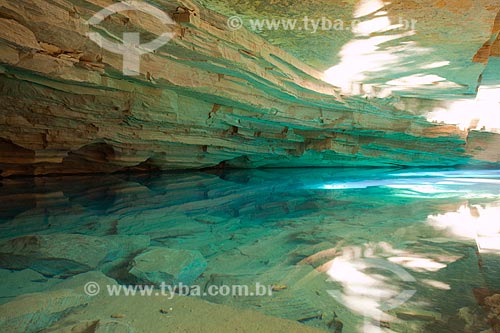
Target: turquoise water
x,y
345,250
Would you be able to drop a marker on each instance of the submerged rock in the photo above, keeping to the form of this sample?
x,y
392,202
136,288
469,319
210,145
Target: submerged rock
x,y
185,314
37,311
94,326
171,266
77,283
34,312
67,254
111,326
15,283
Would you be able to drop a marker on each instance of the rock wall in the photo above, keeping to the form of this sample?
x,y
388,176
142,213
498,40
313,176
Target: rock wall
x,y
210,97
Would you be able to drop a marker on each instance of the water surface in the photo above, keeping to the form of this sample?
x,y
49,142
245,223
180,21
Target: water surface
x,y
378,250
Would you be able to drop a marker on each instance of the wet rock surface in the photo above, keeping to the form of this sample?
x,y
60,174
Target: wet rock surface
x,y
292,231
34,312
15,283
159,265
67,254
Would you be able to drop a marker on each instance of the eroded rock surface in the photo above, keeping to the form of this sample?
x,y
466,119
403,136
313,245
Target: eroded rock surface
x,y
215,97
170,266
280,228
67,254
34,312
15,283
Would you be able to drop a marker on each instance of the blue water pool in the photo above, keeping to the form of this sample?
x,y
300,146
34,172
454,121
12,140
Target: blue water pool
x,y
340,250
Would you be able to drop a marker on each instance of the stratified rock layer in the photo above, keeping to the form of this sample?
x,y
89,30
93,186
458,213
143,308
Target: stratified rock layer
x,y
282,229
65,255
16,283
209,97
34,312
160,265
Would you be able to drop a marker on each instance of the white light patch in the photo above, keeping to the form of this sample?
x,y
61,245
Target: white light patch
x,y
438,64
374,25
367,7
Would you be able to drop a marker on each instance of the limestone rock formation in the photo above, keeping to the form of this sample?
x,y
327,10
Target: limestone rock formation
x,y
278,229
216,97
15,283
160,265
33,312
94,326
67,254
142,315
66,309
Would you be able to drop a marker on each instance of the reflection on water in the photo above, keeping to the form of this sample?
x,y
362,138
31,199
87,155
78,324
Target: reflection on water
x,y
350,250
474,222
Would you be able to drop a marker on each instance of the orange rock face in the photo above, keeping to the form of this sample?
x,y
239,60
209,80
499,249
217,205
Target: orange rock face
x,y
212,96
